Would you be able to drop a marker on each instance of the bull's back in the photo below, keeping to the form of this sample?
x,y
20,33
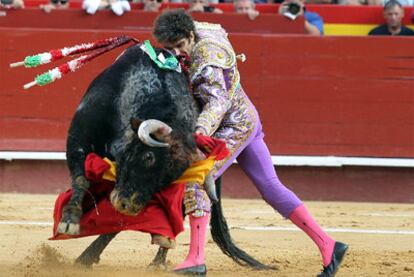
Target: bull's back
x,y
148,92
95,122
132,87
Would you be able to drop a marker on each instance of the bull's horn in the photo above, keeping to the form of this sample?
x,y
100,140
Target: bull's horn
x,y
210,187
151,126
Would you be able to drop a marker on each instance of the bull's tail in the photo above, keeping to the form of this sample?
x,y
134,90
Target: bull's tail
x,y
221,235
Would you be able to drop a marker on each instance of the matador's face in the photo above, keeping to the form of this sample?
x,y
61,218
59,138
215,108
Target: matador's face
x,y
182,46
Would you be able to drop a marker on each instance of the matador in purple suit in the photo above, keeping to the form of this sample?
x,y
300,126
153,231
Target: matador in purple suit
x,y
228,114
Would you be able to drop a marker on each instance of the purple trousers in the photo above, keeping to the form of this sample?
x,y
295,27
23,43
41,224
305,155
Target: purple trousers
x,y
255,160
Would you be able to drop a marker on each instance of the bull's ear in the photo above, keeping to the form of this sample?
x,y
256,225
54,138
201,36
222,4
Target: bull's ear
x,y
135,122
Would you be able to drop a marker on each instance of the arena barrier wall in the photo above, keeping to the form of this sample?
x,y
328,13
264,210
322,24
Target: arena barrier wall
x,y
324,96
349,183
340,96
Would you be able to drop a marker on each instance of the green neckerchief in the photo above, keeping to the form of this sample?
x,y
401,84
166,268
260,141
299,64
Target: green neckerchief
x,y
170,63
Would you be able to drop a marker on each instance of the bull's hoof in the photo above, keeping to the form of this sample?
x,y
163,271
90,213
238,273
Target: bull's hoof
x,y
68,228
157,267
87,260
69,223
197,270
159,263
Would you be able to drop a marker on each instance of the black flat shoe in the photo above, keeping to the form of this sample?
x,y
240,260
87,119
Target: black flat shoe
x,y
337,256
197,270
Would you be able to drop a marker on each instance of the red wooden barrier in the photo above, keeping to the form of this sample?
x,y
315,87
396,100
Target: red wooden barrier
x,y
344,96
338,96
373,184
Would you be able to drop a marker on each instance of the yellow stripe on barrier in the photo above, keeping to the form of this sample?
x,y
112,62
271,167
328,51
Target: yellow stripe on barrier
x,y
350,29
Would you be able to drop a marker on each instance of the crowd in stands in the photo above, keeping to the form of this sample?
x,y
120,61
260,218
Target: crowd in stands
x,y
55,4
11,4
117,6
393,14
313,23
295,8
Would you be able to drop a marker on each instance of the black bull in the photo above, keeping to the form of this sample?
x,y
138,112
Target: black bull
x,y
119,100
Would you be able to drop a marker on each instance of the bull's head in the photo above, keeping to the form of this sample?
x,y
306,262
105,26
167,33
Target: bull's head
x,y
154,158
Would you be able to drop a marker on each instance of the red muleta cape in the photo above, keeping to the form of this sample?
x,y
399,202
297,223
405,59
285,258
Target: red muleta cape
x,y
163,215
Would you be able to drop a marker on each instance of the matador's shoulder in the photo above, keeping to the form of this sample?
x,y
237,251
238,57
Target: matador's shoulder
x,y
212,49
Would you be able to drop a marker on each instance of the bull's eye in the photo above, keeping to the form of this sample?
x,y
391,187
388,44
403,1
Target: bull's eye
x,y
148,158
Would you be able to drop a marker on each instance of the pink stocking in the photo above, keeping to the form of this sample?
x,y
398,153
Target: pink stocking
x,y
301,218
198,227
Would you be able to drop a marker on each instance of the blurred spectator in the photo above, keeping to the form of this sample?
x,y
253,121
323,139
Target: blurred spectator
x,y
294,8
202,6
320,1
91,6
120,6
349,2
11,4
402,2
54,4
154,5
117,6
393,14
246,7
354,2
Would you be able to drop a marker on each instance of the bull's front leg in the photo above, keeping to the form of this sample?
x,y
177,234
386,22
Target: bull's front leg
x,y
72,212
159,261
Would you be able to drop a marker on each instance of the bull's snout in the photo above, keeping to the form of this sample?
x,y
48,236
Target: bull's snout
x,y
125,205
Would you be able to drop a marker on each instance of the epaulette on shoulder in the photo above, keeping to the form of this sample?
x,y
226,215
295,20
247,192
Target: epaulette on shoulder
x,y
208,52
207,26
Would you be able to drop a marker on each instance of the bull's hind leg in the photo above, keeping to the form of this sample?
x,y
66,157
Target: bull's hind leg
x,y
160,259
92,254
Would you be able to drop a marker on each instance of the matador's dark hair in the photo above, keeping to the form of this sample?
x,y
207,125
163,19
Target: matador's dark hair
x,y
172,26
